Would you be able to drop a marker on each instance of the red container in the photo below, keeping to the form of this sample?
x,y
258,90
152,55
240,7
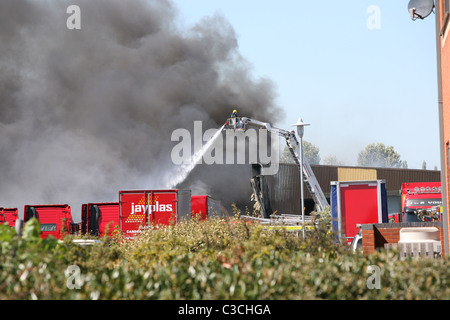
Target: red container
x,y
55,220
100,219
141,208
357,202
9,216
205,207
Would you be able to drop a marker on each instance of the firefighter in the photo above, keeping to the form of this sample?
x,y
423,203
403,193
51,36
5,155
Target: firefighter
x,y
234,119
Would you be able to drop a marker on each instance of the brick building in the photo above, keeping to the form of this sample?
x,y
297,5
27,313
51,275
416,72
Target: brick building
x,y
443,56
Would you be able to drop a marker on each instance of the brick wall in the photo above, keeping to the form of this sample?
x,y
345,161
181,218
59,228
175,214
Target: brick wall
x,y
445,74
375,236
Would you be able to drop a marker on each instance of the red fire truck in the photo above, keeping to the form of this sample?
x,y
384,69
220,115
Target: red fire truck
x,y
55,220
141,208
421,201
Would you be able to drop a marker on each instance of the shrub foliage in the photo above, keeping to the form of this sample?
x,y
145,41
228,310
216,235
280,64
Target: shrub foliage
x,y
216,259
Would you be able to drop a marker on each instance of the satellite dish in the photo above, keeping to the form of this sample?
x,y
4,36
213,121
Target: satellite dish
x,y
420,8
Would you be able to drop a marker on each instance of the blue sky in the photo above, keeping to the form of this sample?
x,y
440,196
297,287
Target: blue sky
x,y
353,84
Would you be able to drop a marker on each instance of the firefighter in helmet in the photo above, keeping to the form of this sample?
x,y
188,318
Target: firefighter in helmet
x,y
234,119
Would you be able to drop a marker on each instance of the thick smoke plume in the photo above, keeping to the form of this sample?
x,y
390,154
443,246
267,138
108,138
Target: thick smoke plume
x,y
86,113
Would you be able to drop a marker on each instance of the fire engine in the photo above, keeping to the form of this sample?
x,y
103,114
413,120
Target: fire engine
x,y
421,201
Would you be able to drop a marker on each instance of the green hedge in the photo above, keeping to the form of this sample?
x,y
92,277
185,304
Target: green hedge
x,y
218,259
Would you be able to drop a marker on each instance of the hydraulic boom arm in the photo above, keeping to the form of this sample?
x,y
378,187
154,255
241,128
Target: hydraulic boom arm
x,y
294,147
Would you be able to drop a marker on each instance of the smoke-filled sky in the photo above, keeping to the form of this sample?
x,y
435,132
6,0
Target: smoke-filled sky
x,y
85,113
359,71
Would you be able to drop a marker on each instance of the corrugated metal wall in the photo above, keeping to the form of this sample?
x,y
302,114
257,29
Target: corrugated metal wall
x,y
325,174
395,177
284,190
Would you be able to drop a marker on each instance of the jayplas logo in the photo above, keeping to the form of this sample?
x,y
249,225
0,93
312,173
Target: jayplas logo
x,y
140,210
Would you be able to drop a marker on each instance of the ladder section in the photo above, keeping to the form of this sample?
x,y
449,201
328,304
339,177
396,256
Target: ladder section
x,y
308,176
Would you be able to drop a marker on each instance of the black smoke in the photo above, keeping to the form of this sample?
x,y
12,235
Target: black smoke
x,y
86,113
